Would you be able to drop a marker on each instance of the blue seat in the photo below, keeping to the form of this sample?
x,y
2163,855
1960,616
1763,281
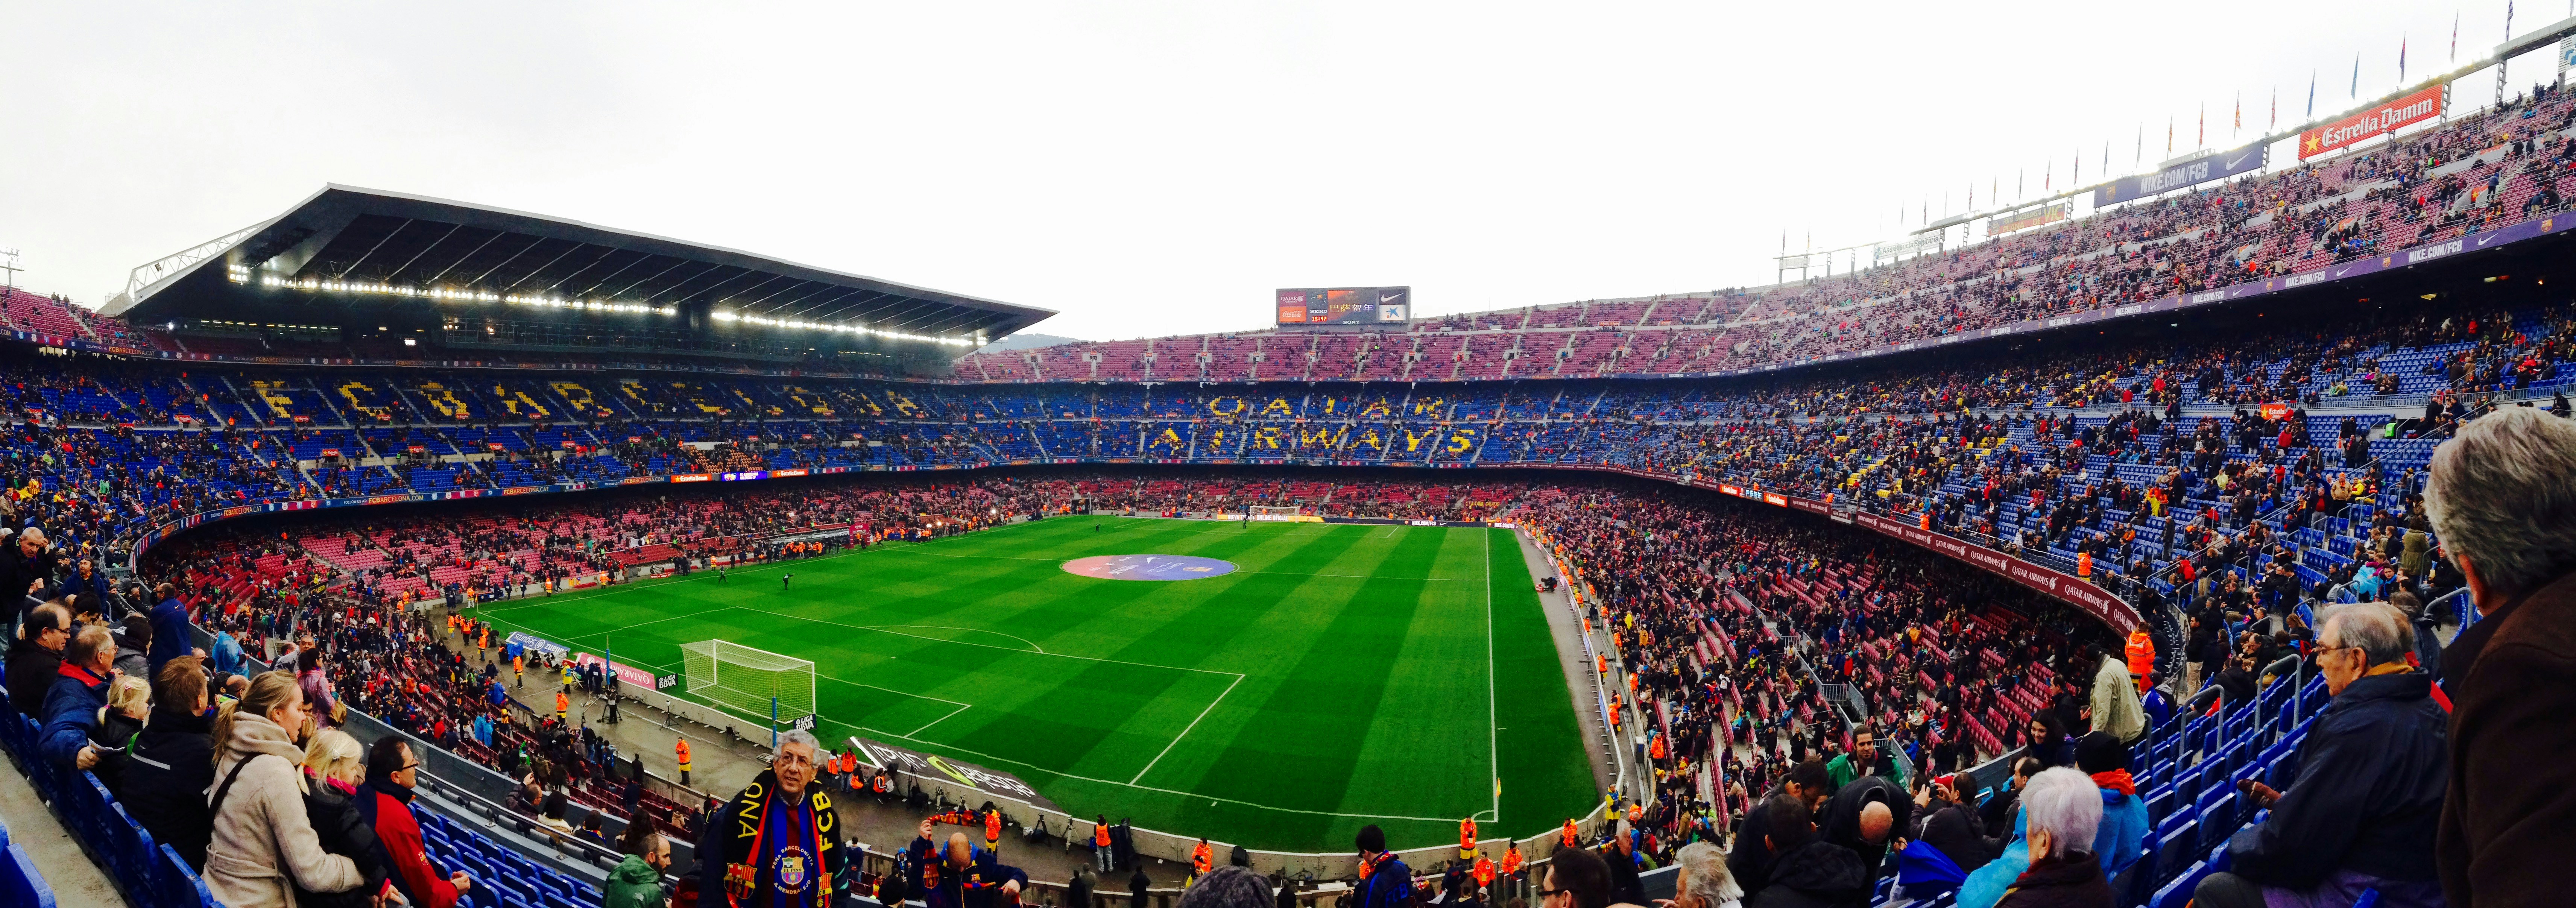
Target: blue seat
x,y
2177,893
2160,804
20,884
177,885
2174,849
2219,818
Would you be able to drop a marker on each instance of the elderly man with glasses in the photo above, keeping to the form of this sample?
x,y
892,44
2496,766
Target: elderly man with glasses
x,y
2361,814
774,844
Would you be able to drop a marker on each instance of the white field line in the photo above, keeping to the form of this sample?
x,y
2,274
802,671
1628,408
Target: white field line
x,y
1493,732
1185,732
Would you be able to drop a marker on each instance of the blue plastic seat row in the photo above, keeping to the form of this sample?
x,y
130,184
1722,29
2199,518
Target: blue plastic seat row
x,y
151,875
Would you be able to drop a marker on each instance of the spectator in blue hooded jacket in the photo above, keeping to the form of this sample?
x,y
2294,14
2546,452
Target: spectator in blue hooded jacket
x,y
2117,841
169,630
73,703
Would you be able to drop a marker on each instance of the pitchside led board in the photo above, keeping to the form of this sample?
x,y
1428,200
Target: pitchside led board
x,y
1346,306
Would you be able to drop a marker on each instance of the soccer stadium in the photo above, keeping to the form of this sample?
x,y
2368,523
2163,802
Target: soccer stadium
x,y
2188,535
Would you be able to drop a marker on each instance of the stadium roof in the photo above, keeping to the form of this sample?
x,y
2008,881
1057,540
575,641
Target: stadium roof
x,y
363,243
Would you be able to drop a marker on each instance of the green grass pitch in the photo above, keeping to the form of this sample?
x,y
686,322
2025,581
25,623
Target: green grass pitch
x,y
1344,674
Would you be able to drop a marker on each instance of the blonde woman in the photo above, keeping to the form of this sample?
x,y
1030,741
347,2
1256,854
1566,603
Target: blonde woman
x,y
333,767
264,848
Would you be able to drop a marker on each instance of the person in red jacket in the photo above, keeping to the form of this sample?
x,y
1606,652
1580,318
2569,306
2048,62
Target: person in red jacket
x,y
385,802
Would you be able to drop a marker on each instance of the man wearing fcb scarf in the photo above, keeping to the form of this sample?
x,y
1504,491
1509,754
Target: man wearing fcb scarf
x,y
776,839
962,875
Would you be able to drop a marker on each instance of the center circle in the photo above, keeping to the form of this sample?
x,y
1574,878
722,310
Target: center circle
x,y
1149,567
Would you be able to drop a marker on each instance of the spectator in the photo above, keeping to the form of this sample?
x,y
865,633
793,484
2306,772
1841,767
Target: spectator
x,y
172,764
36,657
1944,822
1750,863
134,636
2048,740
264,849
1619,854
2065,816
637,881
1704,881
26,568
317,685
129,704
333,768
228,654
385,802
2119,833
2361,814
1864,816
1575,879
1228,886
2115,701
170,629
1806,872
1384,880
1999,813
72,705
783,809
2503,498
1863,760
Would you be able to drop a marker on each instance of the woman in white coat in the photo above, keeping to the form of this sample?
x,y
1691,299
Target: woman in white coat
x,y
263,846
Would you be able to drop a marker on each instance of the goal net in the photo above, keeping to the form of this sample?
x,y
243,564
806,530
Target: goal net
x,y
746,680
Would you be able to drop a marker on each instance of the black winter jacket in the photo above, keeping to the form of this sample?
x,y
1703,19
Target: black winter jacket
x,y
166,778
1816,875
343,831
30,674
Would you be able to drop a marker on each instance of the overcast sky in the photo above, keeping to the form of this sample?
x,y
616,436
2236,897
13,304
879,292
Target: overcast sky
x,y
1156,168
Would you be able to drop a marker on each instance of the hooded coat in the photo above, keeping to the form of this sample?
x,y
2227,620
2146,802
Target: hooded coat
x,y
263,846
633,884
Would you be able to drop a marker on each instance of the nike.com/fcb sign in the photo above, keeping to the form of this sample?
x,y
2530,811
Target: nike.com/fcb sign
x,y
2380,119
2213,166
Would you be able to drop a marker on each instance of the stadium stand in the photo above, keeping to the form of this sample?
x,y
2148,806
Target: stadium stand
x,y
2225,483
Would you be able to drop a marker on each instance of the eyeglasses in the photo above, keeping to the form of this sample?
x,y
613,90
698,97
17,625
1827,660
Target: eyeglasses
x,y
1545,892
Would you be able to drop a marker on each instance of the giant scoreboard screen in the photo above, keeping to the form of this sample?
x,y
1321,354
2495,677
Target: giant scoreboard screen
x,y
1351,306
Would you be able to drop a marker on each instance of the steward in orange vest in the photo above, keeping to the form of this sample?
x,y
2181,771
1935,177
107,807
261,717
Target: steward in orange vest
x,y
1467,838
1571,839
681,749
1202,860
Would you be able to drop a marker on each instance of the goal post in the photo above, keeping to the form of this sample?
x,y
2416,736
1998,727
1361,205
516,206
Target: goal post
x,y
748,680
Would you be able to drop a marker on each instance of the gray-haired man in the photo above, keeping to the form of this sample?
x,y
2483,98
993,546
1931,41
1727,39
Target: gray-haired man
x,y
774,844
